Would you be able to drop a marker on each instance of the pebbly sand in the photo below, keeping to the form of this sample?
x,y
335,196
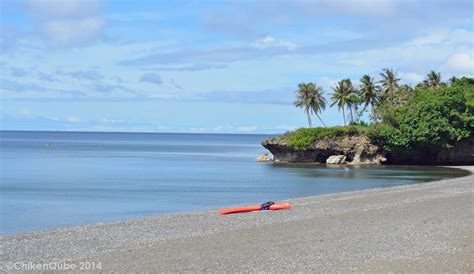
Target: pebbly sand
x,y
417,228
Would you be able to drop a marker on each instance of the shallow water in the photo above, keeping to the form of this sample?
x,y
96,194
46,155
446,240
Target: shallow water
x,y
94,177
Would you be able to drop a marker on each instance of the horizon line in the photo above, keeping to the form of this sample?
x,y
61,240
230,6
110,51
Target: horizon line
x,y
135,132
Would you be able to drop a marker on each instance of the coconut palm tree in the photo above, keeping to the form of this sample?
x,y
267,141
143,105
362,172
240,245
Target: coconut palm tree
x,y
369,91
339,97
452,80
353,99
318,103
433,79
344,95
389,82
310,97
423,84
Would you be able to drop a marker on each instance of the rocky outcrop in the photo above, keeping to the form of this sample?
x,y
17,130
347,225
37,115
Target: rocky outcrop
x,y
336,159
358,150
264,157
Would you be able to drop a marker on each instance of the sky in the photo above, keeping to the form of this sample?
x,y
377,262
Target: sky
x,y
211,66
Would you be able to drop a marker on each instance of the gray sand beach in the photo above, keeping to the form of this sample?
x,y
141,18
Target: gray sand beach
x,y
423,227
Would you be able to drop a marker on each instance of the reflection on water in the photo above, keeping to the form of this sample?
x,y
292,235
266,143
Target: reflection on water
x,y
51,179
321,179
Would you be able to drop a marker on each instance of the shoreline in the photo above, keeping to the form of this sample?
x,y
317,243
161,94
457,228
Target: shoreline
x,y
325,232
334,166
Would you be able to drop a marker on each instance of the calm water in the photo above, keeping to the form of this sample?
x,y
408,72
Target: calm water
x,y
96,177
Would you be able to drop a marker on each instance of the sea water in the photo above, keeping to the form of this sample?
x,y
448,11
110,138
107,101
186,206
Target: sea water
x,y
56,179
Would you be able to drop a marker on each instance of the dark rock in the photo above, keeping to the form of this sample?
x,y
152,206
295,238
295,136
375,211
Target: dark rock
x,y
461,154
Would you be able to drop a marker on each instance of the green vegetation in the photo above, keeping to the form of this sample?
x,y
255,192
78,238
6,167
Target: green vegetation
x,y
433,115
433,80
303,137
432,118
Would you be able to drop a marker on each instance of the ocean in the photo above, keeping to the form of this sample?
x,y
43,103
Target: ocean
x,y
56,179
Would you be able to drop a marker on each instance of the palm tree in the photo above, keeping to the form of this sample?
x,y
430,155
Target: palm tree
x,y
423,84
318,103
369,91
339,97
310,97
405,92
452,80
389,82
433,79
352,100
344,94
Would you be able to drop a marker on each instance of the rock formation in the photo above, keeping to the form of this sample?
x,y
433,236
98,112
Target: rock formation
x,y
336,159
358,150
264,157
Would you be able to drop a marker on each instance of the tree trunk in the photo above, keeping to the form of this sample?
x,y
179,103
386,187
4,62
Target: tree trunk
x,y
352,117
309,118
320,119
344,115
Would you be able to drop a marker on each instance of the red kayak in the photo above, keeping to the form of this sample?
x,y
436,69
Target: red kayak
x,y
265,206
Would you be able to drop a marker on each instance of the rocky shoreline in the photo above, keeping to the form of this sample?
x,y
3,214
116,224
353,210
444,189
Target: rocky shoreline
x,y
360,150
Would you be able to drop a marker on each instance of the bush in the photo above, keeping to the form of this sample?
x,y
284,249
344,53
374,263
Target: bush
x,y
304,137
467,86
433,118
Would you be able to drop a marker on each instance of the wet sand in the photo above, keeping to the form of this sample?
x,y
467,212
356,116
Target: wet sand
x,y
423,227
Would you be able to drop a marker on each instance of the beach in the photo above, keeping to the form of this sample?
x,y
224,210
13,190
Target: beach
x,y
426,227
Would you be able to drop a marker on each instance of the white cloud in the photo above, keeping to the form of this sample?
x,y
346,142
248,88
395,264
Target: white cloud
x,y
136,16
269,41
283,127
326,83
364,7
412,77
221,129
444,37
428,39
247,129
375,8
73,119
461,62
227,128
71,32
67,22
110,121
25,113
63,8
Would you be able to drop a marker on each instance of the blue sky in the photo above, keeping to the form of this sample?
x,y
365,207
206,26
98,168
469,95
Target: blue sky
x,y
211,66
